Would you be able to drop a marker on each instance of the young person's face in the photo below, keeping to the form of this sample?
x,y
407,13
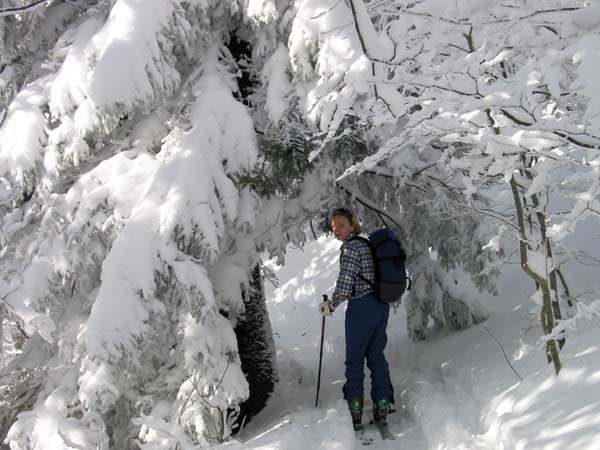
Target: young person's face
x,y
341,227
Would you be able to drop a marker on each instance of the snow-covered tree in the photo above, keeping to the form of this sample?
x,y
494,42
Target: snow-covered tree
x,y
126,236
151,150
500,92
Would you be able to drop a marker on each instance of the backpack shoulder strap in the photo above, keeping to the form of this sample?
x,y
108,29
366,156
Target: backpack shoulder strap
x,y
360,238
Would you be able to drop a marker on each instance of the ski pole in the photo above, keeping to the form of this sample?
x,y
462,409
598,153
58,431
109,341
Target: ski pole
x,y
320,356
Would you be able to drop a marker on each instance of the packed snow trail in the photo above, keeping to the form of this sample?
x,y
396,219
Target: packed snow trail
x,y
434,408
453,391
441,398
290,419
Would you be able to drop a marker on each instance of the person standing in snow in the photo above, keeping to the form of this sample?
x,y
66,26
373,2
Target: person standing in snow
x,y
365,323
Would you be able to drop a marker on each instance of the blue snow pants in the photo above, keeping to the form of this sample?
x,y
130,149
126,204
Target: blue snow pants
x,y
366,338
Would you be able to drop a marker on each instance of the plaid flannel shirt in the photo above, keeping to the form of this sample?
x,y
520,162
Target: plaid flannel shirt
x,y
355,259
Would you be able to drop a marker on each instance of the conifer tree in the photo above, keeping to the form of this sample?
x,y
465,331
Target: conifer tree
x,y
121,215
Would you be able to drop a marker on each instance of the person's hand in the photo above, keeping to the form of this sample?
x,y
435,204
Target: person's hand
x,y
325,308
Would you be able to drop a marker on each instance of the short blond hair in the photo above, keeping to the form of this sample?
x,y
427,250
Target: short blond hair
x,y
350,215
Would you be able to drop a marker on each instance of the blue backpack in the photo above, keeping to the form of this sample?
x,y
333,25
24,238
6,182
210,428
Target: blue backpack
x,y
389,259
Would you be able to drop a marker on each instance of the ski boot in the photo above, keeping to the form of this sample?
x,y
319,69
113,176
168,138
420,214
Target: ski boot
x,y
356,409
380,410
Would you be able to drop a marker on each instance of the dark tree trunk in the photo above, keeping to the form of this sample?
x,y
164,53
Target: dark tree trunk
x,y
256,349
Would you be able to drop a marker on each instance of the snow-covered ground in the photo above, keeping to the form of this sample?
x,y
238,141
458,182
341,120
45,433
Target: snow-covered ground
x,y
455,391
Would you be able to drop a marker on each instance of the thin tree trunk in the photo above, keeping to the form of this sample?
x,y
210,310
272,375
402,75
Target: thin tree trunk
x,y
547,314
541,219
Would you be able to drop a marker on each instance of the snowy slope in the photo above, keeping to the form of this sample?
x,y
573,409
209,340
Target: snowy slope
x,y
455,391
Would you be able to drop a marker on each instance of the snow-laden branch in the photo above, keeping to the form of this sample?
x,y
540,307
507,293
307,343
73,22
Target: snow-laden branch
x,y
374,51
491,214
367,34
69,443
534,14
22,9
370,205
464,22
468,23
583,312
